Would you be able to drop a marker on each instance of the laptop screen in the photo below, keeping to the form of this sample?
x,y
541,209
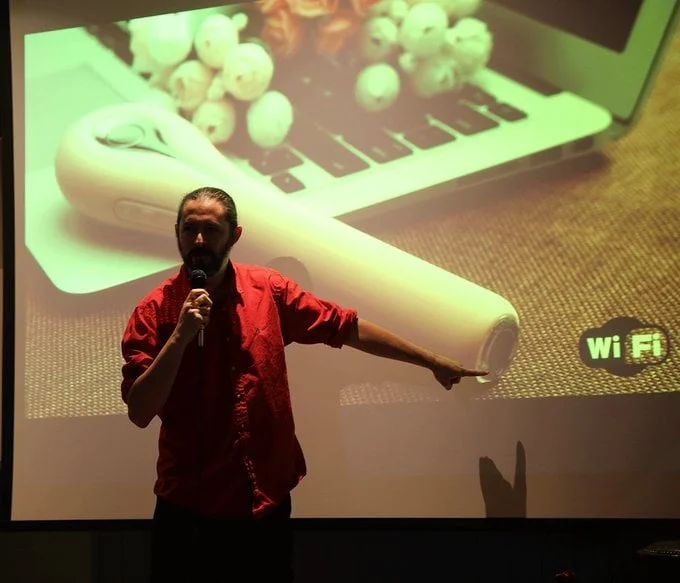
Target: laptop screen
x,y
605,22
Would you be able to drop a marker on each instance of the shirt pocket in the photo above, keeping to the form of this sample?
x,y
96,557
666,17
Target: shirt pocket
x,y
260,329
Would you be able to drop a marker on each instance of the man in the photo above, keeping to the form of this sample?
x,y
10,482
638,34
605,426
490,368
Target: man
x,y
227,444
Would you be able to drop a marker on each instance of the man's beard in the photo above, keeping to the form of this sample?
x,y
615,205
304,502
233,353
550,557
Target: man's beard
x,y
205,259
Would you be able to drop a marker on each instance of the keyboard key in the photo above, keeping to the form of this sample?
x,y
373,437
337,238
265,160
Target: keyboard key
x,y
274,161
428,137
506,112
404,115
338,112
322,149
464,119
115,38
376,145
295,83
287,183
240,144
404,122
475,95
315,87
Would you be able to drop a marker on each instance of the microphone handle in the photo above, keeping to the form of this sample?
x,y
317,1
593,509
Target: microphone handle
x,y
200,338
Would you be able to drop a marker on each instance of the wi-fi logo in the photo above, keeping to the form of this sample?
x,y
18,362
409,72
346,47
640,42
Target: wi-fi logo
x,y
624,346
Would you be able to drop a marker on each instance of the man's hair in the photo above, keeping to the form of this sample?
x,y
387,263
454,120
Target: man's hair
x,y
211,193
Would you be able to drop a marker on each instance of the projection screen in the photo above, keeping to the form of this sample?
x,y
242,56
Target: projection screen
x,y
494,181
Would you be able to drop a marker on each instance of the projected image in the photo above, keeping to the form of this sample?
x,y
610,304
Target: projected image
x,y
391,156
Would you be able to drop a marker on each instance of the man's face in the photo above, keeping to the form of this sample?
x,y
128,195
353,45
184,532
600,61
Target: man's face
x,y
204,236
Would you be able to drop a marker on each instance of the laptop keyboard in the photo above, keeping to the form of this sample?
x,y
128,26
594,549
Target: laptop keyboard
x,y
332,132
343,139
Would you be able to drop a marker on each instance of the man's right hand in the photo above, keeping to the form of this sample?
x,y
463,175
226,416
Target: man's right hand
x,y
194,315
150,391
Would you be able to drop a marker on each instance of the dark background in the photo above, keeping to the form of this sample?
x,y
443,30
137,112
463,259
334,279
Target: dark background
x,y
477,551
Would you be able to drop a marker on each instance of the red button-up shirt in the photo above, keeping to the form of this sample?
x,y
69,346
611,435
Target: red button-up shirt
x,y
227,443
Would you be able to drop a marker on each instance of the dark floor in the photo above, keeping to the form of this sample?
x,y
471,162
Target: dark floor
x,y
334,552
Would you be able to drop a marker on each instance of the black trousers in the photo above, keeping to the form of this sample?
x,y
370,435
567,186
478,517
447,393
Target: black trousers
x,y
187,548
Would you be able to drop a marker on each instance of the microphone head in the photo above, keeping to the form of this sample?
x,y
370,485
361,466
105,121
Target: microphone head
x,y
198,278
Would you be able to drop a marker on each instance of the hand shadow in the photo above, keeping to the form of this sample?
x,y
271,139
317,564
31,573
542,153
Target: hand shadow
x,y
500,498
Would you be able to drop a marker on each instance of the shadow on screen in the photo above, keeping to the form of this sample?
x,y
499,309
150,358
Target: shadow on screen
x,y
502,499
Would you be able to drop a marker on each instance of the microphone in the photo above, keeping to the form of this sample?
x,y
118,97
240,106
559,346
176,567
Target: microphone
x,y
198,278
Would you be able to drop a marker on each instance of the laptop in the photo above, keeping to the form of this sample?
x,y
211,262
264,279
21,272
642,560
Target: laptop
x,y
563,79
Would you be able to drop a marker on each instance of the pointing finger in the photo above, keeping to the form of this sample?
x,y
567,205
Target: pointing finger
x,y
474,373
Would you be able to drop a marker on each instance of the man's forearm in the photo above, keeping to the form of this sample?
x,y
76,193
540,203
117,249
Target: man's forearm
x,y
150,391
369,337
